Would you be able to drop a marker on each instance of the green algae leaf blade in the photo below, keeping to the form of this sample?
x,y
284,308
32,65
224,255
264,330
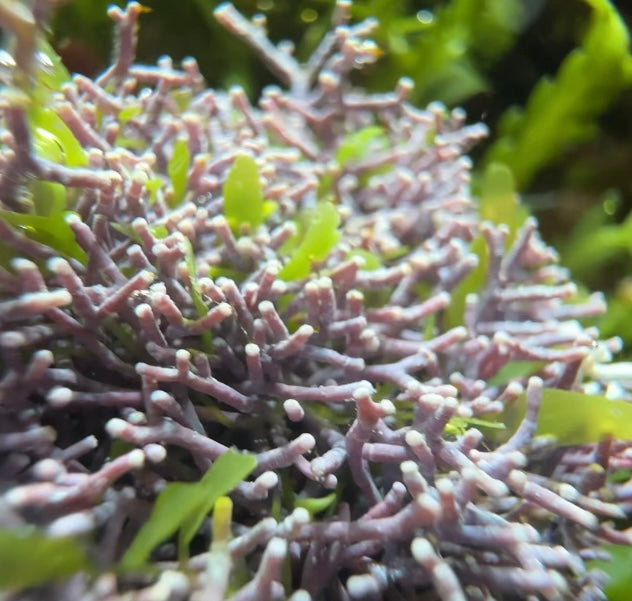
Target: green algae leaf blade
x,y
159,231
515,370
575,418
55,139
177,168
243,197
51,72
52,230
196,295
618,568
316,504
321,236
499,201
356,145
371,260
49,198
28,558
183,506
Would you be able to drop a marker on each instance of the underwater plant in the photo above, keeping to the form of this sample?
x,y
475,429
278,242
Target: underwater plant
x,y
293,317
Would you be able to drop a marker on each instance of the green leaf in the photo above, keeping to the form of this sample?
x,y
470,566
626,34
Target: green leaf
x,y
177,168
499,202
574,418
371,260
358,144
458,425
159,231
51,72
55,140
183,506
28,558
515,370
316,504
563,111
153,185
321,236
618,568
243,197
129,112
49,198
196,295
51,230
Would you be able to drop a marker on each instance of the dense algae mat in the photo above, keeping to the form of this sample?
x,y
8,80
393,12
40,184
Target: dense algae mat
x,y
293,317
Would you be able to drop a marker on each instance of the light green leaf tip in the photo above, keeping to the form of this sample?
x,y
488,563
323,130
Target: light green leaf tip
x,y
243,197
183,506
321,236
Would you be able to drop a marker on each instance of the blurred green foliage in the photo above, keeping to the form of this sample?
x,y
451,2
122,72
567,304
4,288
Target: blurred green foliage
x,y
29,558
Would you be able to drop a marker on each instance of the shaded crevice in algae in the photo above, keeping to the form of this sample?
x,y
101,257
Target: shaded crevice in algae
x,y
306,321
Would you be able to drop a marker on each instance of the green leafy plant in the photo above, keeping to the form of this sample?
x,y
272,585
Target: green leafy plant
x,y
182,507
319,238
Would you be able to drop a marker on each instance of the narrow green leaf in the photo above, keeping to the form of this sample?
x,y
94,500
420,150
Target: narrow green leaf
x,y
499,202
28,558
218,481
321,236
52,230
515,370
196,294
177,168
153,185
316,504
243,197
184,506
